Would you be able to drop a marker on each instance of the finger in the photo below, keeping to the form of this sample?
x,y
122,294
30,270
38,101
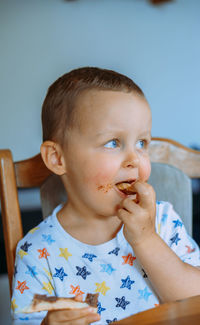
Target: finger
x,y
124,215
78,297
146,194
130,205
91,318
69,314
133,197
88,319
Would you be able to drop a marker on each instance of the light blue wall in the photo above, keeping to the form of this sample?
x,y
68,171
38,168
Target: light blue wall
x,y
159,47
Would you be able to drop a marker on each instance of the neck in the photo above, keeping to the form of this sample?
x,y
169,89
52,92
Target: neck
x,y
87,228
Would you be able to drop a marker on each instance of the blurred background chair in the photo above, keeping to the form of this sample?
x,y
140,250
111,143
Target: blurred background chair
x,y
173,166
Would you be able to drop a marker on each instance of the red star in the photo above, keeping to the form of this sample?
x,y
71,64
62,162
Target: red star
x,y
128,259
76,291
43,253
22,286
189,249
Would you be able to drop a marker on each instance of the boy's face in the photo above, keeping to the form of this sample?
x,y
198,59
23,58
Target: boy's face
x,y
107,146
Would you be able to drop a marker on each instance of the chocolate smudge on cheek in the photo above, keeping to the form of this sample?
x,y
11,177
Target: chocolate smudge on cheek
x,y
104,188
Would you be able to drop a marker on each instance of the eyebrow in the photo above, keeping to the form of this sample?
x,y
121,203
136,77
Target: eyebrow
x,y
106,132
148,133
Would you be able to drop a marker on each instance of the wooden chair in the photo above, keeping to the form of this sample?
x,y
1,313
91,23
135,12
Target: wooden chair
x,y
164,154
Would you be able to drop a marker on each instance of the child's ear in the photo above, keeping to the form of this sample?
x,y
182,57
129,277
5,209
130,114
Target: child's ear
x,y
52,156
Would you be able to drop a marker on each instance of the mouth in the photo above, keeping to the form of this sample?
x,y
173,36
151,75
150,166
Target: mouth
x,y
126,187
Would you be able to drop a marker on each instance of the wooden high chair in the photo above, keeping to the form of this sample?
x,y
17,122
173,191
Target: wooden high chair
x,y
172,167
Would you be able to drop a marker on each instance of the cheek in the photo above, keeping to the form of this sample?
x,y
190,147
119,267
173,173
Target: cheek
x,y
104,173
145,169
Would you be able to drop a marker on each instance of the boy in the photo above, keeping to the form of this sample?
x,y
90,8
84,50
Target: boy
x,y
96,132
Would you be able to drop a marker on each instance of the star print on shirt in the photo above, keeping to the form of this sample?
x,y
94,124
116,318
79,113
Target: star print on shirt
x,y
190,249
25,246
48,273
15,270
108,321
76,291
121,302
102,288
31,271
164,218
22,253
144,294
126,283
22,286
48,239
13,304
177,223
175,239
144,274
115,251
100,309
82,271
90,257
43,253
60,273
128,259
33,230
65,253
47,286
107,268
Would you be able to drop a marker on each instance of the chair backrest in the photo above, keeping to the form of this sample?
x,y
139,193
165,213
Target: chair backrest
x,y
172,185
33,173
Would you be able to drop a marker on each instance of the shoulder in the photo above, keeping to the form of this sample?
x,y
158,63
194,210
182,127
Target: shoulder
x,y
40,235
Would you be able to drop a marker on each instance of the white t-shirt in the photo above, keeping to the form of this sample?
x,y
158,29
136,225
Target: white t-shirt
x,y
50,261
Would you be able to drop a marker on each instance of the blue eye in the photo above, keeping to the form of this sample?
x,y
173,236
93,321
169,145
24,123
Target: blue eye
x,y
140,144
111,144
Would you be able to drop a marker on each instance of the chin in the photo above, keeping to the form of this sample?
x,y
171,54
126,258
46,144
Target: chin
x,y
110,213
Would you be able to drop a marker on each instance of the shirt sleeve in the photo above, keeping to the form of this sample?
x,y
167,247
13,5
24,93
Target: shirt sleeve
x,y
172,230
31,275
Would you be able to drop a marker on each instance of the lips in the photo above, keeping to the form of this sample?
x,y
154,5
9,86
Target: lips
x,y
126,187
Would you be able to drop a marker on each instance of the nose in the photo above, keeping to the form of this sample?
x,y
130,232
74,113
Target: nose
x,y
131,160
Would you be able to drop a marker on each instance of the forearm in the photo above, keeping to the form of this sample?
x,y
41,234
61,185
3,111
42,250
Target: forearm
x,y
171,278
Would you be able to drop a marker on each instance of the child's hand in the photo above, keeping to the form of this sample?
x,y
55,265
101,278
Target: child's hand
x,y
138,215
83,316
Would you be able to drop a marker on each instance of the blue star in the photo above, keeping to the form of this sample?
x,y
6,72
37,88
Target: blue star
x,y
107,268
177,223
48,239
25,246
175,239
31,271
115,251
108,321
144,294
100,309
121,302
82,272
89,256
126,283
60,273
164,218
